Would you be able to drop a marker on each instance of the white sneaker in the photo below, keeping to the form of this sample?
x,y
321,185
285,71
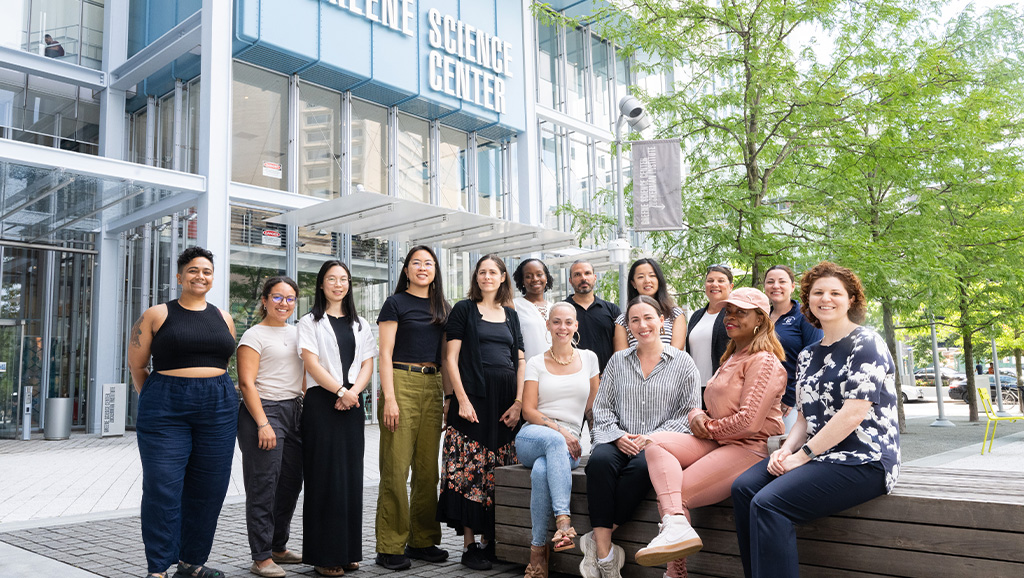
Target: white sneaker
x,y
588,567
676,539
612,568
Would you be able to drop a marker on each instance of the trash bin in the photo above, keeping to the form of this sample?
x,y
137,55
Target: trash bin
x,y
57,418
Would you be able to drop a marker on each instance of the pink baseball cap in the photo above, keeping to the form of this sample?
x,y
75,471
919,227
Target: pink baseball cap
x,y
750,298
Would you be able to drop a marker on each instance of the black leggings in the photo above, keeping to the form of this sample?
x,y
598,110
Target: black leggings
x,y
616,484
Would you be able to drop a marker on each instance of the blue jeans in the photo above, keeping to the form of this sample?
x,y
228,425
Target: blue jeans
x,y
768,507
545,452
186,435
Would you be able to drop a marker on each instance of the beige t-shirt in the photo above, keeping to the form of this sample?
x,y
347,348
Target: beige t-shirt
x,y
280,375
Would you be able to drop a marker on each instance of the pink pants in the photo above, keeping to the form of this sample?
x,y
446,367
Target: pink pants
x,y
689,472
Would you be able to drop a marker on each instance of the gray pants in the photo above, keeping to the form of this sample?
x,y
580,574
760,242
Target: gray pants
x,y
273,479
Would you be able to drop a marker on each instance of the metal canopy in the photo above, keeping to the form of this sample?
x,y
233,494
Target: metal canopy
x,y
374,215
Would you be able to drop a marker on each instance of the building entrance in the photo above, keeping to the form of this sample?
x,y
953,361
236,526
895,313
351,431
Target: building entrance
x,y
12,355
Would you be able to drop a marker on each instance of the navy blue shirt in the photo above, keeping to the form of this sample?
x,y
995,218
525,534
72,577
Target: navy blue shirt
x,y
795,333
857,366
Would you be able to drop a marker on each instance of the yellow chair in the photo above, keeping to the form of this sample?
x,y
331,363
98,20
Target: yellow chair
x,y
993,419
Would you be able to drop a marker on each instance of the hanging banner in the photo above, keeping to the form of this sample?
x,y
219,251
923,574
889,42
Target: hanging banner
x,y
657,185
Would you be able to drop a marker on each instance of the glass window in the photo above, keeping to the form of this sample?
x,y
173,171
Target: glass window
x,y
551,162
165,143
370,146
621,76
489,181
413,166
319,142
451,175
255,256
92,34
575,74
602,82
68,30
191,126
579,172
138,150
259,146
547,65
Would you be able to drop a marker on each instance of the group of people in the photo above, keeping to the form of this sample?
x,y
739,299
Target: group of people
x,y
685,408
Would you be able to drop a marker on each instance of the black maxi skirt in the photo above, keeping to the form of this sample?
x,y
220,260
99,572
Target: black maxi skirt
x,y
332,507
470,453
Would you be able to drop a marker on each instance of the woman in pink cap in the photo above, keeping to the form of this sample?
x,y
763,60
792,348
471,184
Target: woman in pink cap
x,y
695,469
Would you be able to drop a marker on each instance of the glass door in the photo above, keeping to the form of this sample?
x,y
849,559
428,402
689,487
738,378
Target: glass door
x,y
12,334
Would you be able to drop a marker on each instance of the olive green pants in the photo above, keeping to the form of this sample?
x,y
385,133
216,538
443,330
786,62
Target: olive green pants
x,y
403,519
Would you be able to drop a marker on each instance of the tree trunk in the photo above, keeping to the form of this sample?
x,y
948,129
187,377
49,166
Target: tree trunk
x,y
890,341
1020,381
971,394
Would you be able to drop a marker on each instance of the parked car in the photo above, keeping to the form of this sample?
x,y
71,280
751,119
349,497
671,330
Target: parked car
x,y
926,376
1009,387
911,393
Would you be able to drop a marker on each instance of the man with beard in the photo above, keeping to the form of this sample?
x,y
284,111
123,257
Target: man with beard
x,y
596,317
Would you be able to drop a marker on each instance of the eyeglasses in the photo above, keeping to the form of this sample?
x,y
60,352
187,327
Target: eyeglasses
x,y
279,298
336,280
422,264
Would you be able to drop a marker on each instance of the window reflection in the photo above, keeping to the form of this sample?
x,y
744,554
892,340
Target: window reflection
x,y
451,175
369,146
319,142
259,150
413,161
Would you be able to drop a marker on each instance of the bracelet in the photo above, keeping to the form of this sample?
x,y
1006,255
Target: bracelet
x,y
259,427
519,401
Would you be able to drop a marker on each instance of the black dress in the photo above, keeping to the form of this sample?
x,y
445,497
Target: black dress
x,y
332,452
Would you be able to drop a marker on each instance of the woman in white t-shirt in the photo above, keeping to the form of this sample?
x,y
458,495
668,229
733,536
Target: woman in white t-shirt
x,y
558,394
706,338
270,378
533,279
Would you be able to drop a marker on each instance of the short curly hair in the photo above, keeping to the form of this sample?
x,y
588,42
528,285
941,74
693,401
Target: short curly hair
x,y
191,253
517,275
850,281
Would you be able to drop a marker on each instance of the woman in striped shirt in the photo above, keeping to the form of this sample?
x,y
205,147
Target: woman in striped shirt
x,y
647,388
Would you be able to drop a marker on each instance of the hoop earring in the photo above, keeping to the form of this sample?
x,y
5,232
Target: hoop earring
x,y
662,332
756,328
576,339
547,337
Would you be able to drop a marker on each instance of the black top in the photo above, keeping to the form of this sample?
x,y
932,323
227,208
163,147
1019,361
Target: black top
x,y
597,327
463,323
417,339
719,337
192,339
495,343
346,344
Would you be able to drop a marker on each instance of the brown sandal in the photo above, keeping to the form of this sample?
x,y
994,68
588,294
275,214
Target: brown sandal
x,y
538,566
329,570
564,534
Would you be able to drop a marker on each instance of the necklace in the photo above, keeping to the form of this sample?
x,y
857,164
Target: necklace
x,y
572,356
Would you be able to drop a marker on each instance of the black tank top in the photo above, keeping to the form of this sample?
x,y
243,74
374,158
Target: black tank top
x,y
192,339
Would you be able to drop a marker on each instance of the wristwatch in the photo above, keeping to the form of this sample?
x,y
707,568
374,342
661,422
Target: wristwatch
x,y
807,450
342,391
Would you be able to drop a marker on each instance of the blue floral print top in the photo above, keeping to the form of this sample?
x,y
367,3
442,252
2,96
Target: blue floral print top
x,y
857,366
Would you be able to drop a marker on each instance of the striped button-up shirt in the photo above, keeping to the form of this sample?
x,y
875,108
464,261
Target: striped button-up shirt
x,y
628,402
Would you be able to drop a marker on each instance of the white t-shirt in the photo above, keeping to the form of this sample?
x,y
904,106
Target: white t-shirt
x,y
280,374
563,398
533,324
700,346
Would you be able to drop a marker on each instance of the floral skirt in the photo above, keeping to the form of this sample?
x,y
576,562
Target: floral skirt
x,y
471,452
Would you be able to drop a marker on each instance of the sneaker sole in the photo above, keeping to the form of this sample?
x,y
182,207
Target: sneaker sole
x,y
663,554
585,547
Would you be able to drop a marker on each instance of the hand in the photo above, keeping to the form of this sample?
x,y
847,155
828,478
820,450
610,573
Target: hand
x,y
467,412
511,416
347,400
785,409
267,437
782,461
794,461
630,444
574,444
698,426
390,414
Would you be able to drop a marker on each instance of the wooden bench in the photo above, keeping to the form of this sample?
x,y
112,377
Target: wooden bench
x,y
937,522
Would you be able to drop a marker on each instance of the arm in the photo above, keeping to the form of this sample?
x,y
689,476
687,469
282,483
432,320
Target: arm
x,y
606,422
511,416
386,332
451,367
842,424
230,322
679,332
323,378
763,383
588,413
139,341
248,367
797,437
620,341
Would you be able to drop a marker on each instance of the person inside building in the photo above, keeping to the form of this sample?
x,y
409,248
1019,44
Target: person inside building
x,y
596,316
794,331
411,329
647,388
742,398
533,279
53,48
706,338
845,447
337,348
187,420
270,378
558,393
646,278
485,367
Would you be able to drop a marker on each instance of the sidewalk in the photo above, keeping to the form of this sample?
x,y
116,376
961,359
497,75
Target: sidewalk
x,y
70,508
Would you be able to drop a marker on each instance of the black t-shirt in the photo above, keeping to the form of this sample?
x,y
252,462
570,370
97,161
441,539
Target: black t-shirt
x,y
597,327
495,343
346,343
417,339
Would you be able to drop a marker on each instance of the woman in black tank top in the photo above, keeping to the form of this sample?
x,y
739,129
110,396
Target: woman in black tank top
x,y
187,419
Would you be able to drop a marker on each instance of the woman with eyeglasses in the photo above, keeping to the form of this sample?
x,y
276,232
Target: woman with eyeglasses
x,y
706,338
646,278
337,348
411,328
270,380
795,332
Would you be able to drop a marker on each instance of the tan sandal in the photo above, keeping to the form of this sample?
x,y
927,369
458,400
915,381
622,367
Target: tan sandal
x,y
564,534
538,566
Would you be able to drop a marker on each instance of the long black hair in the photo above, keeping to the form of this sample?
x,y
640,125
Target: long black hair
x,y
268,286
665,301
439,307
348,304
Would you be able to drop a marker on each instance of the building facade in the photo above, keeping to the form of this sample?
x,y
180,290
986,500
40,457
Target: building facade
x,y
278,134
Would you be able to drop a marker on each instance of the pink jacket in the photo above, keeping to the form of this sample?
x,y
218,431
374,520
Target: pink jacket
x,y
743,400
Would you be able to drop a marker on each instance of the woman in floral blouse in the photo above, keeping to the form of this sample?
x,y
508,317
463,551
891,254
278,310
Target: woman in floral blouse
x,y
845,447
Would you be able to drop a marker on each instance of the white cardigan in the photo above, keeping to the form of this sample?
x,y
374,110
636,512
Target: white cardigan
x,y
318,337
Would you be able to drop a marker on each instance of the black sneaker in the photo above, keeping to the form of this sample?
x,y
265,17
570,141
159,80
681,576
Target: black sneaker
x,y
431,554
488,551
474,558
394,561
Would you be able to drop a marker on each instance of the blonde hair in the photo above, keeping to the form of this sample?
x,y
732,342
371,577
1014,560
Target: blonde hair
x,y
764,339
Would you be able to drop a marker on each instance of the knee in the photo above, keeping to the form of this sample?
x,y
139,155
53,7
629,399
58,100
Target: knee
x,y
539,472
602,462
